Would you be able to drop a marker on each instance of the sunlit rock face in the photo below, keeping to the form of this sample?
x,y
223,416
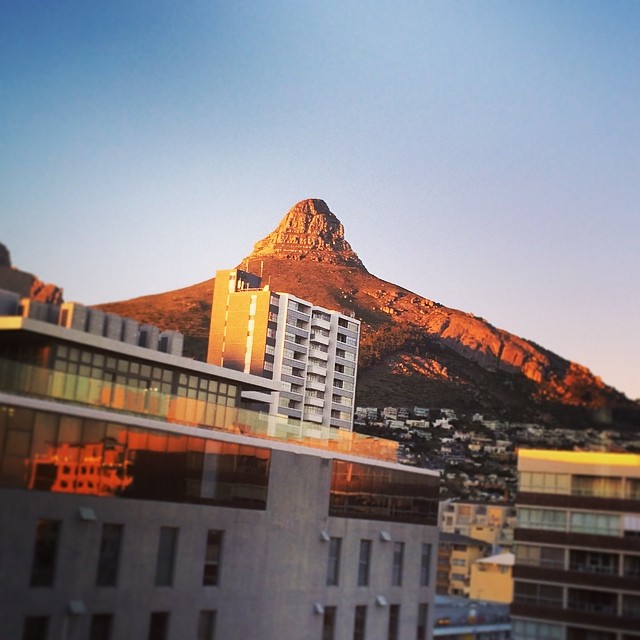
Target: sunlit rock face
x,y
309,231
413,351
25,284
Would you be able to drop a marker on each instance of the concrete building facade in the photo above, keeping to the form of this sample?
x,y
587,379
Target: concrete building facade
x,y
140,499
311,351
577,571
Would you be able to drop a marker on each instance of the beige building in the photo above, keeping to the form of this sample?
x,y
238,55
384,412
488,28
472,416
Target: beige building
x,y
577,571
456,556
491,523
311,351
492,578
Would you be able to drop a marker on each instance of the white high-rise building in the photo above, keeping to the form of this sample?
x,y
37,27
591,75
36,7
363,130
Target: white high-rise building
x,y
311,350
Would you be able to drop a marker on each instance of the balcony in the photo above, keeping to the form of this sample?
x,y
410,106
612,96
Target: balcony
x,y
320,323
319,338
315,385
316,368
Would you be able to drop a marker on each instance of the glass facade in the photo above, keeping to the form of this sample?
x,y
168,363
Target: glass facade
x,y
124,385
379,493
50,452
82,375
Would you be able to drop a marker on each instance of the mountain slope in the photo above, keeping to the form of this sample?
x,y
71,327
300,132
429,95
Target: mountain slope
x,y
413,350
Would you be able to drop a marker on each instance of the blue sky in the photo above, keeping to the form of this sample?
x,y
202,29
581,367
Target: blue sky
x,y
483,154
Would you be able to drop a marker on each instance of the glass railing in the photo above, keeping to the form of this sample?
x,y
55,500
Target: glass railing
x,y
39,382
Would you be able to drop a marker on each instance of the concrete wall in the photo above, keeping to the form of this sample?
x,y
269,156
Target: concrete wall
x,y
273,568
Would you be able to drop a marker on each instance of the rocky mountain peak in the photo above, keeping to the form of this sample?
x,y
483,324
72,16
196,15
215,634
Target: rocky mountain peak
x,y
309,231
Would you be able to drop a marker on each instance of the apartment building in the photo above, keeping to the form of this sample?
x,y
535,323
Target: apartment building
x,y
577,571
311,351
456,556
141,499
491,523
492,578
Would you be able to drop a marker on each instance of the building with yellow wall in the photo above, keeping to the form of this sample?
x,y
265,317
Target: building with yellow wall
x,y
492,578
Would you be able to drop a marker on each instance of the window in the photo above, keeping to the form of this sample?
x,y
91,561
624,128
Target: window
x,y
632,490
596,601
100,626
597,523
212,553
329,623
396,569
365,491
632,566
552,557
546,519
364,562
206,625
537,593
593,561
631,606
596,486
333,568
423,616
537,482
578,633
394,622
45,552
360,622
530,630
35,628
109,555
167,545
159,625
425,564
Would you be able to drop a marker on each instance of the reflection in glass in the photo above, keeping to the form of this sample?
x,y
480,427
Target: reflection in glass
x,y
47,452
375,492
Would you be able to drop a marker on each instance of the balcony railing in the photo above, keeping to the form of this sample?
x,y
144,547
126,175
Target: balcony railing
x,y
20,379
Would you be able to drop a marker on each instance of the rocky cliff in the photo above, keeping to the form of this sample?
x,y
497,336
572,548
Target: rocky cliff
x,y
25,284
311,232
414,351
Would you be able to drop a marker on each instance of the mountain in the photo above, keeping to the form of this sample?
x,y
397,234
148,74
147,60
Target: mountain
x,y
414,351
26,284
